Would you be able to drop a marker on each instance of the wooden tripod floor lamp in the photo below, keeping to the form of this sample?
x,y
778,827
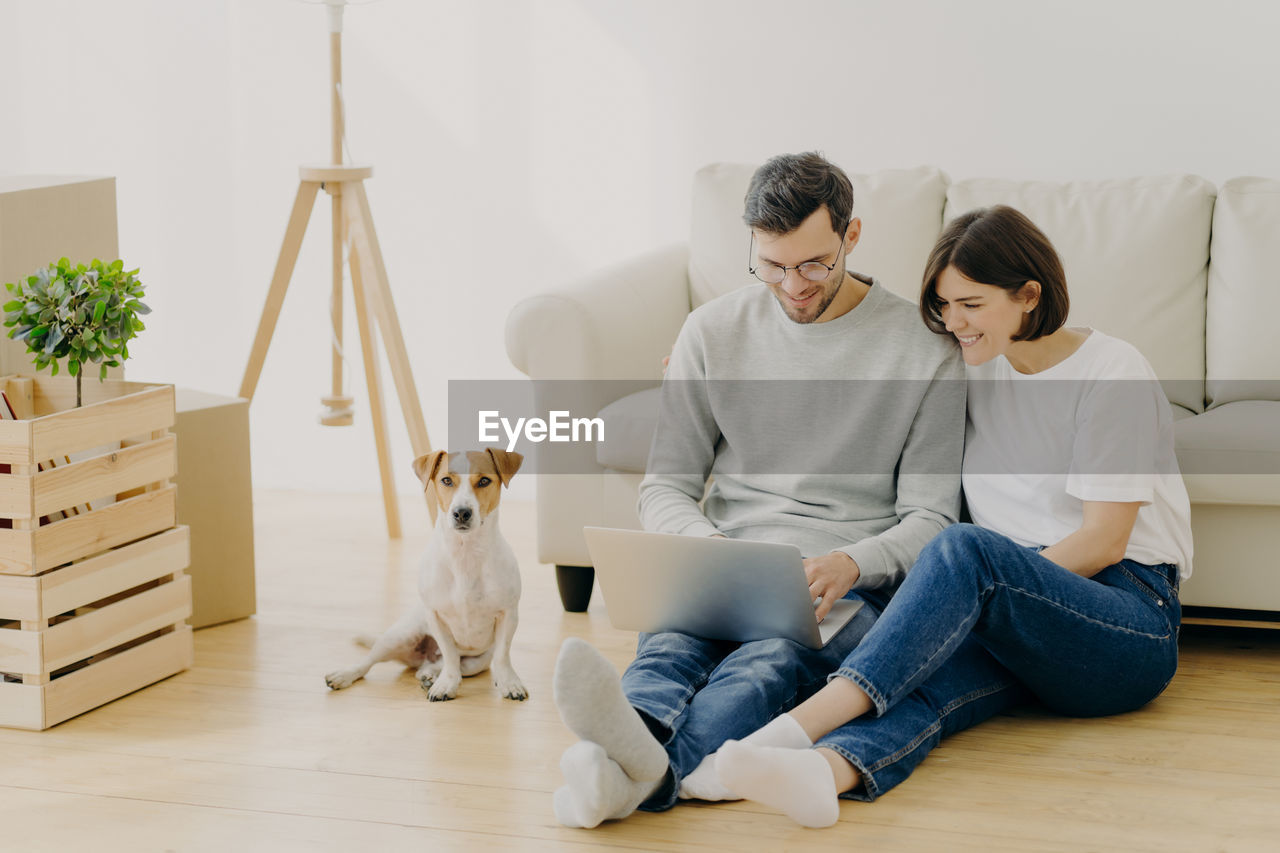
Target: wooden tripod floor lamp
x,y
371,291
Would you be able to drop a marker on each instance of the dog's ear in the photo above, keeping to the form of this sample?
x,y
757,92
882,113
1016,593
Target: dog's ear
x,y
425,467
507,463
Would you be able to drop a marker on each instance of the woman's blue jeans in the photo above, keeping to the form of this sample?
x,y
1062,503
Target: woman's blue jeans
x,y
697,693
980,622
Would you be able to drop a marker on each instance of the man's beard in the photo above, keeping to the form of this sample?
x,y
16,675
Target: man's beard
x,y
821,307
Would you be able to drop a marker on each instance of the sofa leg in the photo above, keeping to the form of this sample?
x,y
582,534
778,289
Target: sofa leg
x,y
575,586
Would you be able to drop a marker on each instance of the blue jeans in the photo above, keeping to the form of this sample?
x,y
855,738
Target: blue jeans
x,y
697,693
981,622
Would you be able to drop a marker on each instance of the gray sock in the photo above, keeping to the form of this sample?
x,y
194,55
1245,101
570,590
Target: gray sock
x,y
597,789
589,695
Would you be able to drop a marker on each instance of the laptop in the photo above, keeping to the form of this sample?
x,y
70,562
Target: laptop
x,y
720,589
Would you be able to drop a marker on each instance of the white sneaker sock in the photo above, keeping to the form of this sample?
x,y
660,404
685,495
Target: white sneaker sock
x,y
797,782
597,789
704,783
589,695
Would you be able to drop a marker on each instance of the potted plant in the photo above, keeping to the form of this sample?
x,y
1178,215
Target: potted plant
x,y
86,315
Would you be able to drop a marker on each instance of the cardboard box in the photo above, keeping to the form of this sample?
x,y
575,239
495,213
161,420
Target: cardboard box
x,y
215,499
46,217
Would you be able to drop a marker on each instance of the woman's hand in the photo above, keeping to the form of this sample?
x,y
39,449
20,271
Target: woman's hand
x,y
830,577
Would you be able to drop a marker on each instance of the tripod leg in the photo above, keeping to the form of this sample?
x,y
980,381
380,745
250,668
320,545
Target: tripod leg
x,y
388,323
369,355
293,235
335,301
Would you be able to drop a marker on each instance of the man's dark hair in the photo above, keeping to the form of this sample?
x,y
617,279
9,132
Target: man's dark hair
x,y
785,191
1000,246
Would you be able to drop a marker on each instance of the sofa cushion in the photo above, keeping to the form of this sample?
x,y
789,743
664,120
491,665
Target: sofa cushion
x,y
901,212
1135,253
1232,453
1241,347
630,423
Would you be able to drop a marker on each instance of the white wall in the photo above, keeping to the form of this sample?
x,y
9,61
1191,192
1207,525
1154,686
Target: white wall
x,y
520,143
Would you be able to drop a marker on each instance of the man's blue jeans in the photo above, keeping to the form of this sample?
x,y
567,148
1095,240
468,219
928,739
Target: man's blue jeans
x,y
979,623
699,693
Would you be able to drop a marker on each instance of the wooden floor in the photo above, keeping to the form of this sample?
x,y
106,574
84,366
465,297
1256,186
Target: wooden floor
x,y
250,751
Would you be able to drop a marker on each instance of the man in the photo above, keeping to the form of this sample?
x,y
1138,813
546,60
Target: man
x,y
858,474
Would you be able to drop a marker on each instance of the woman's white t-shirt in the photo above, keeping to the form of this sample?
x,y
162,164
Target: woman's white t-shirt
x,y
1094,427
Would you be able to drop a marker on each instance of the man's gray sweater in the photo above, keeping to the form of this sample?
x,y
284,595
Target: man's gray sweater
x,y
845,435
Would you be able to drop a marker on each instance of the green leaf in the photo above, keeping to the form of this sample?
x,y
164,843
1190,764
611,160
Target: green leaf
x,y
99,309
13,305
102,373
73,367
55,368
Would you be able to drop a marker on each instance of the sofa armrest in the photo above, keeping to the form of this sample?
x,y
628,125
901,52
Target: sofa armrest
x,y
617,323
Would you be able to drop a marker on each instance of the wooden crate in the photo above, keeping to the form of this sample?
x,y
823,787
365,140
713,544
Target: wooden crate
x,y
93,596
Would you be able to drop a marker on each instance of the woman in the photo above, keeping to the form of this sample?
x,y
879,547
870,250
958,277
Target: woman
x,y
1064,588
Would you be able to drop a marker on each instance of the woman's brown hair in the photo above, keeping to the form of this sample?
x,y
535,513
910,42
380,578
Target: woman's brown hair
x,y
1001,247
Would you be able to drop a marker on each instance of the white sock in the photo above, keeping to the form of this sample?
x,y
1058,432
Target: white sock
x,y
597,788
797,782
589,695
704,783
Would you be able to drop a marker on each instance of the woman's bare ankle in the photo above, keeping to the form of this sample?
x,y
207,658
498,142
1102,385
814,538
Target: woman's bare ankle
x,y
831,707
846,775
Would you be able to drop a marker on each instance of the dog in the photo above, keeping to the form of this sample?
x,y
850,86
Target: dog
x,y
469,583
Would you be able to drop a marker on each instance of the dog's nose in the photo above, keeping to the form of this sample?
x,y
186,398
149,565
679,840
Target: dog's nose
x,y
462,515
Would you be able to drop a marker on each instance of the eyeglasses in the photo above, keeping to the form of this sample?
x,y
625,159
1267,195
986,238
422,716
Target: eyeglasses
x,y
771,273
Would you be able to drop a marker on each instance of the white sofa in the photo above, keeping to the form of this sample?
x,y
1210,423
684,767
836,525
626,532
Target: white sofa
x,y
1187,272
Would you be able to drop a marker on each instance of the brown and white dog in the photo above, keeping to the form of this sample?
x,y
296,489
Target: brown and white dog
x,y
469,583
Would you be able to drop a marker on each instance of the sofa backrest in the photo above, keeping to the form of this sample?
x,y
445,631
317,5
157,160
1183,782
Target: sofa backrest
x,y
901,212
1242,345
1136,255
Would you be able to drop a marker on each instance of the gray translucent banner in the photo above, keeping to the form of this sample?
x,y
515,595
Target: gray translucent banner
x,y
851,427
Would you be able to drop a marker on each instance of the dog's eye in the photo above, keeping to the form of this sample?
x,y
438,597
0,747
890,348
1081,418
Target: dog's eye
x,y
483,481
446,481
